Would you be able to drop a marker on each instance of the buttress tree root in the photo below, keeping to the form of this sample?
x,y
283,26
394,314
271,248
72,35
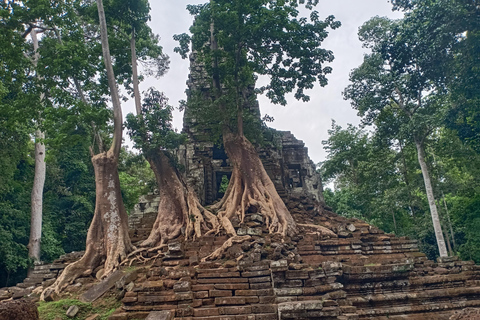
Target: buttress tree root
x,y
218,253
250,186
179,210
108,241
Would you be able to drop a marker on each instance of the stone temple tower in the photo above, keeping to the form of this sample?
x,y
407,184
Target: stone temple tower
x,y
285,159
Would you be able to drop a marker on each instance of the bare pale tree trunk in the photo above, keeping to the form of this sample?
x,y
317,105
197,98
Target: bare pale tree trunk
x,y
136,89
34,243
452,234
117,108
431,199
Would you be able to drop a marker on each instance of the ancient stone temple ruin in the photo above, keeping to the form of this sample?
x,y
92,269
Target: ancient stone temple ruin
x,y
335,268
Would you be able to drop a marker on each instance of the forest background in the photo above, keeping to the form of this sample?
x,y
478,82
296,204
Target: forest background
x,y
372,168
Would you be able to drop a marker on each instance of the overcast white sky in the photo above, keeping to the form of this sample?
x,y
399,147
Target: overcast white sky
x,y
307,121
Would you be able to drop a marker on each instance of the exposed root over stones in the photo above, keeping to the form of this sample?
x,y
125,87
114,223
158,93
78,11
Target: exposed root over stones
x,y
319,229
144,255
250,186
217,254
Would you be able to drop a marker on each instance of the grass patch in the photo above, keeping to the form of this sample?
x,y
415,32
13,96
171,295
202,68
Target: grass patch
x,y
57,309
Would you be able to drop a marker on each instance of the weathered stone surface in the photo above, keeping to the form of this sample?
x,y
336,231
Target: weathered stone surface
x,y
160,315
95,316
18,310
72,311
99,289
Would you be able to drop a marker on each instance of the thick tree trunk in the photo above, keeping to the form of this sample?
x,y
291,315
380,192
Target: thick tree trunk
x,y
108,242
179,208
37,198
249,186
431,200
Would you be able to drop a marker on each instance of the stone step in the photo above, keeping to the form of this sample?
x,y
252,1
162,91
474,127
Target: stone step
x,y
414,311
443,298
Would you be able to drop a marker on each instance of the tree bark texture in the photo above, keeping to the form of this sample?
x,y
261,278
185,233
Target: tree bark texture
x,y
36,216
179,207
117,108
442,248
34,243
108,241
249,186
136,89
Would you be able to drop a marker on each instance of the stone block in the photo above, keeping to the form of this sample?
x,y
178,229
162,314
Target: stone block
x,y
72,311
222,280
99,289
288,291
220,293
232,286
205,312
280,265
229,301
259,273
235,310
313,305
219,275
260,279
262,285
182,286
203,287
264,308
266,316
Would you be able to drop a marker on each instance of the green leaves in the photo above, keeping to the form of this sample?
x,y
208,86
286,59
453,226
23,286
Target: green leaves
x,y
260,37
152,130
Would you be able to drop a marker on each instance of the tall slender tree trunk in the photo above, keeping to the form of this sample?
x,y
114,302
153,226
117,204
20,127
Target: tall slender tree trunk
x,y
431,199
405,177
34,243
452,234
136,89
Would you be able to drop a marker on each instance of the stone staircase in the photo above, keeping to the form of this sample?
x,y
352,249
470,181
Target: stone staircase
x,y
358,273
43,275
344,270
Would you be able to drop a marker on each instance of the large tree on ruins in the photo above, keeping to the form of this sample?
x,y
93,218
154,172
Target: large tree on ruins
x,y
235,41
108,242
152,133
179,207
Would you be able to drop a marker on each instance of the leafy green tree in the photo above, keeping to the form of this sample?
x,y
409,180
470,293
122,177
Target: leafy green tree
x,y
236,41
368,182
446,35
391,79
